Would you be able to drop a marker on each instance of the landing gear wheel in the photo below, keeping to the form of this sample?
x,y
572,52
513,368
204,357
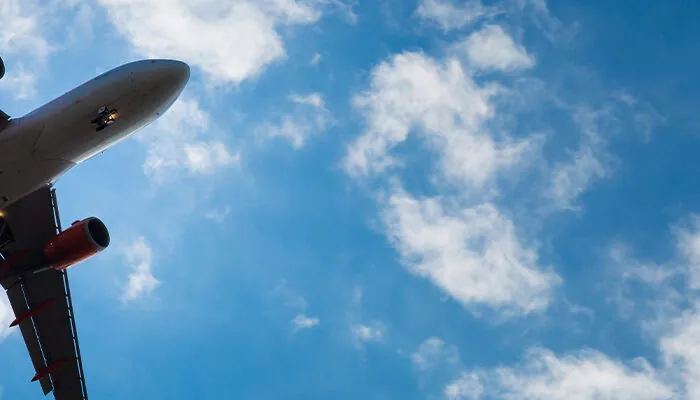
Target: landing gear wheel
x,y
105,117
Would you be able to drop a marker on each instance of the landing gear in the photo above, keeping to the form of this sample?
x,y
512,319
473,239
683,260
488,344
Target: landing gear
x,y
105,117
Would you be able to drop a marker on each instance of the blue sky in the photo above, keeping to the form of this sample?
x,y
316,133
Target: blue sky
x,y
389,199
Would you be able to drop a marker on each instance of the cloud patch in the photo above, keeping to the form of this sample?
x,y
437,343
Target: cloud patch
x,y
6,317
491,48
139,260
230,41
309,118
450,15
438,101
218,215
375,332
181,141
22,29
472,253
433,353
587,374
670,321
301,321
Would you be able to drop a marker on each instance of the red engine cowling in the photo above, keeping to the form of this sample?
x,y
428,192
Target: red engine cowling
x,y
81,241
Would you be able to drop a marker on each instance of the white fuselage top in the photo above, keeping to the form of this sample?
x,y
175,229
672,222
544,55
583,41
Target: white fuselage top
x,y
36,149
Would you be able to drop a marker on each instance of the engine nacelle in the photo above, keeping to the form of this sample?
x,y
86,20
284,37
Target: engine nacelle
x,y
2,68
81,241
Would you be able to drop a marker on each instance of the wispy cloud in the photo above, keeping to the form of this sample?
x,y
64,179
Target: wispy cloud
x,y
6,317
491,48
204,157
669,315
308,118
469,249
22,29
374,332
451,15
472,253
20,82
139,260
547,376
182,141
433,353
302,321
295,301
218,215
590,162
32,25
551,27
439,101
193,30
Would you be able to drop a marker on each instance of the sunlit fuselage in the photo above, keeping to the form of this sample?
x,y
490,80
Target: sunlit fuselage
x,y
39,147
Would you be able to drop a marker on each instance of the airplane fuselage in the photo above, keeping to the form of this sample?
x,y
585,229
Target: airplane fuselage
x,y
36,149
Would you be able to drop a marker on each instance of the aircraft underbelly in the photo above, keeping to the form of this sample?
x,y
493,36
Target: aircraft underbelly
x,y
71,136
20,178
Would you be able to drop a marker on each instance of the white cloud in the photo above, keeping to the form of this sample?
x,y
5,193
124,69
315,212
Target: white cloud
x,y
21,29
491,48
681,350
553,29
309,118
368,333
181,140
139,259
290,297
80,30
466,387
442,104
218,215
205,157
294,300
315,59
20,82
301,321
472,253
433,353
312,99
230,41
572,178
584,375
6,317
21,23
468,249
677,309
674,326
33,30
450,15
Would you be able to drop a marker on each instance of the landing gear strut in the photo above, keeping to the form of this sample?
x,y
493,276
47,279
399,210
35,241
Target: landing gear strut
x,y
105,117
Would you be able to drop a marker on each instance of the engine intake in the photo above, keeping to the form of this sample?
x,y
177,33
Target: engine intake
x,y
2,68
81,241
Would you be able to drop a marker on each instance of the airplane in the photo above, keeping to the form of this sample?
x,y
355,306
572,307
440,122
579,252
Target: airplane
x,y
35,252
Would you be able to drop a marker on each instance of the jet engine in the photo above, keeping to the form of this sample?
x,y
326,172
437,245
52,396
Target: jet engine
x,y
2,68
81,241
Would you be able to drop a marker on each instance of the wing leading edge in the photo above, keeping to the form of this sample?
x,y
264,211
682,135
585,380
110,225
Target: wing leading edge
x,y
42,301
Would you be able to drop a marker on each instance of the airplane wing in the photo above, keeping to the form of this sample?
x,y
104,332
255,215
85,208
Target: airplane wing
x,y
41,301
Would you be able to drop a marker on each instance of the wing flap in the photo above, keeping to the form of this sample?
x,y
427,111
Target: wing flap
x,y
31,340
49,331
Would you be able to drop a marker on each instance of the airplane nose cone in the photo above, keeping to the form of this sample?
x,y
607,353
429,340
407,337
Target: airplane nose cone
x,y
170,78
174,73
